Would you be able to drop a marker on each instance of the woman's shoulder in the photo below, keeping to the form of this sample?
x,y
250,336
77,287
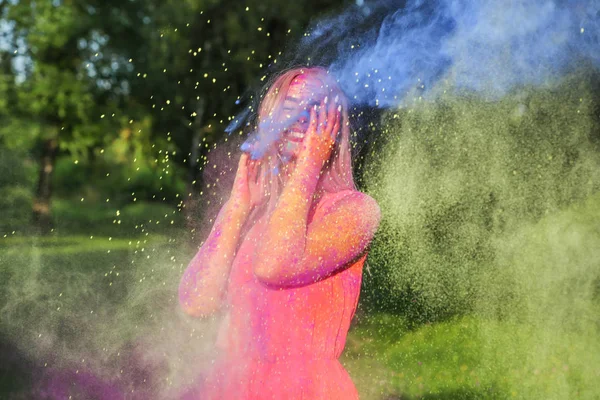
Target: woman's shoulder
x,y
350,200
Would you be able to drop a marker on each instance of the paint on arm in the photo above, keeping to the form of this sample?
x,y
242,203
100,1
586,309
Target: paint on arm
x,y
333,241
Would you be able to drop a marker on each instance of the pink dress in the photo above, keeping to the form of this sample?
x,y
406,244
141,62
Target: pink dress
x,y
284,343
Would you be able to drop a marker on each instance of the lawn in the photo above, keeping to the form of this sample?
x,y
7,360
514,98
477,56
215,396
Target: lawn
x,y
470,358
74,298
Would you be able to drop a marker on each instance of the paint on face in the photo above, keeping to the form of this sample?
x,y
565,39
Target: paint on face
x,y
285,125
295,117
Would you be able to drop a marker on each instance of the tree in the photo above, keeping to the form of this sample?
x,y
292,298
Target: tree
x,y
70,65
183,64
204,61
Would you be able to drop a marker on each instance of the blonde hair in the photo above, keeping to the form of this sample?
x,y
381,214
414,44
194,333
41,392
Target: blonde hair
x,y
336,174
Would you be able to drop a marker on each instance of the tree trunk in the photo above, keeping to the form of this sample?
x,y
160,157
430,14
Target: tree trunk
x,y
42,219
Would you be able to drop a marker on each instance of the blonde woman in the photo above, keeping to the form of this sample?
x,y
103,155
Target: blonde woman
x,y
283,262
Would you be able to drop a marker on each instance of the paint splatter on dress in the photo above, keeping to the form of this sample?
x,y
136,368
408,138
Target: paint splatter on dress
x,y
284,343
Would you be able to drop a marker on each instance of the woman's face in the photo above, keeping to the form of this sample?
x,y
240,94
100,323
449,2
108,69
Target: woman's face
x,y
295,117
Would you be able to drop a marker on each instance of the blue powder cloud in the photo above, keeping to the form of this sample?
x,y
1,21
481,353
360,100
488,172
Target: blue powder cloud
x,y
479,45
382,51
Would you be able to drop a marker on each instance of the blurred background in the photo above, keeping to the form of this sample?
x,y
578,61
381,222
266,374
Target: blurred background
x,y
483,281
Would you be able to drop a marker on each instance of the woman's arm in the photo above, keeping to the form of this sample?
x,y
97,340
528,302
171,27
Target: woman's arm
x,y
294,253
205,279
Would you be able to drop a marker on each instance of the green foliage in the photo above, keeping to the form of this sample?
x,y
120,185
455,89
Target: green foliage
x,y
69,177
106,219
17,179
16,169
126,169
200,57
15,201
56,86
20,136
154,77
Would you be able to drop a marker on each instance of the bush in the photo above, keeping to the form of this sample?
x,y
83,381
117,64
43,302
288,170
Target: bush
x,y
117,181
15,203
106,219
69,178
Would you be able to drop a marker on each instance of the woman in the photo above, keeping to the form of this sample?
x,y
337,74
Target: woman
x,y
284,259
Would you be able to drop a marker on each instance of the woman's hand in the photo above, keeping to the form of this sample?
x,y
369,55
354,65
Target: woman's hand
x,y
240,197
248,186
320,136
204,283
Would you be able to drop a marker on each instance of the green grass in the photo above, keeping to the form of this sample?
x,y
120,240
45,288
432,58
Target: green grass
x,y
54,245
88,292
81,297
470,358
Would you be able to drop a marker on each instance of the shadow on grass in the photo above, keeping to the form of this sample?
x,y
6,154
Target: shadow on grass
x,y
53,290
16,371
456,394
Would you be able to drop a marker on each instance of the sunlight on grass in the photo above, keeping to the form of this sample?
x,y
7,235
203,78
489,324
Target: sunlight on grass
x,y
61,287
469,358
